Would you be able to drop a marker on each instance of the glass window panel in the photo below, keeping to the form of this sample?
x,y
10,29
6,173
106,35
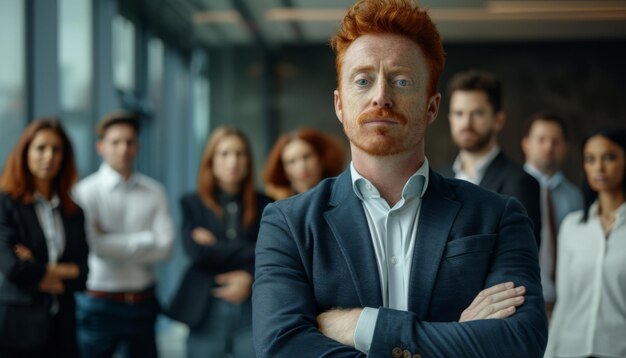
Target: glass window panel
x,y
75,76
12,93
123,53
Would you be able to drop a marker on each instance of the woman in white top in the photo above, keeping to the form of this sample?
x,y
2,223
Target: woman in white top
x,y
590,313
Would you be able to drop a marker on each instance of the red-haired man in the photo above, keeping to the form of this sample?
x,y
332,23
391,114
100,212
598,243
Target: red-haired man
x,y
390,259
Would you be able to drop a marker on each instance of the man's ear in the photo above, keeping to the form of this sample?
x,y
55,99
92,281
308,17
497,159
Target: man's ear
x,y
338,106
433,107
99,145
500,120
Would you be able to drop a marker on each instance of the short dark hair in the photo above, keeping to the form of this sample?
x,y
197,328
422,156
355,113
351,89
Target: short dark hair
x,y
474,80
547,117
117,117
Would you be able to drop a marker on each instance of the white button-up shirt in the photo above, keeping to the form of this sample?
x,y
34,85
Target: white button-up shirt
x,y
393,231
129,229
481,167
589,318
51,223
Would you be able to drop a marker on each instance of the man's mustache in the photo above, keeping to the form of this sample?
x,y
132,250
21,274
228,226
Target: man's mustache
x,y
382,114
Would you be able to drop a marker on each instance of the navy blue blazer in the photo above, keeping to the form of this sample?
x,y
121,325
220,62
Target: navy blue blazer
x,y
315,253
506,177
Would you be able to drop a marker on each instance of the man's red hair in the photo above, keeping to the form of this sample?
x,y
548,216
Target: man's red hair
x,y
399,17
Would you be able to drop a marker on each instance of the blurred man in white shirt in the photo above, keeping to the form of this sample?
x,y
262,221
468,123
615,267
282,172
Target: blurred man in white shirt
x,y
130,230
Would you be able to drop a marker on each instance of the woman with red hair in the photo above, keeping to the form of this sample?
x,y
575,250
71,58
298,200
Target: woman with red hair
x,y
220,226
300,160
43,250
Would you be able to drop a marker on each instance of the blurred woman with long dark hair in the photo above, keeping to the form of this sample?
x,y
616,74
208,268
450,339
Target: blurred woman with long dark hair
x,y
590,314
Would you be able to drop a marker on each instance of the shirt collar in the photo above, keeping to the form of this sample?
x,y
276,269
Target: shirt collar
x,y
482,164
363,188
54,202
111,178
620,213
546,181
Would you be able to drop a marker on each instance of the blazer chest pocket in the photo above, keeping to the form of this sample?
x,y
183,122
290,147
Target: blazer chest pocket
x,y
470,245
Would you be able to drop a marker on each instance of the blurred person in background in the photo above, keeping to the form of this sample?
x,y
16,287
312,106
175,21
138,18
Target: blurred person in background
x,y
130,231
589,317
301,159
43,249
220,227
545,147
476,118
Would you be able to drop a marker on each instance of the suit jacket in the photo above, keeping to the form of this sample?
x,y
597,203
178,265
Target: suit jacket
x,y
503,176
315,253
194,293
19,225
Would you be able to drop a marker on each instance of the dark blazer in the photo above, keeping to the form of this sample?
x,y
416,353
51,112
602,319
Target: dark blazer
x,y
206,261
315,253
504,176
19,225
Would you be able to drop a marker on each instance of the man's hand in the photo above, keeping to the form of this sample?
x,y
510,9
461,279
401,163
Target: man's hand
x,y
202,236
23,253
235,286
499,301
339,324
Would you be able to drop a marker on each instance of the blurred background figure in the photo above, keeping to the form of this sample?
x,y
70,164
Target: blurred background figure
x,y
589,317
130,231
545,147
220,227
43,250
301,159
476,118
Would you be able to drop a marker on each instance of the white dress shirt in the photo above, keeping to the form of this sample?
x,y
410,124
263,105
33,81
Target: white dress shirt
x,y
129,229
589,317
566,198
51,223
481,167
393,231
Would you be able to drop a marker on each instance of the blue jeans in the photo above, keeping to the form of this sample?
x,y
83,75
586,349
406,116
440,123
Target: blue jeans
x,y
225,329
106,327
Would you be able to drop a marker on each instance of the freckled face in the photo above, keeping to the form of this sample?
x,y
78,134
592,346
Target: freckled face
x,y
604,163
383,100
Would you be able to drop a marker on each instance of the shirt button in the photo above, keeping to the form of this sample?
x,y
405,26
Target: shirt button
x,y
394,260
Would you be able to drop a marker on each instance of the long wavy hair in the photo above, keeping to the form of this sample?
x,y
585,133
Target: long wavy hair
x,y
617,136
207,183
17,180
329,149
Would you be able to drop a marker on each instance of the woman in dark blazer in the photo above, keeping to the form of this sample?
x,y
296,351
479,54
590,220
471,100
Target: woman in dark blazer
x,y
43,250
220,226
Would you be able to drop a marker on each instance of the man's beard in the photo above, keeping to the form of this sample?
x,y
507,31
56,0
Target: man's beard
x,y
477,145
378,141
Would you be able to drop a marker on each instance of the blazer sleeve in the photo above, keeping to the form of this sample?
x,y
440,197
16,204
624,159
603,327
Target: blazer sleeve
x,y
77,250
524,334
25,274
224,254
284,307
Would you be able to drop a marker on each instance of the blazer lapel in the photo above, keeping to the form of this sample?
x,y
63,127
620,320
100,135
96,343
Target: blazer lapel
x,y
33,230
493,174
349,226
437,214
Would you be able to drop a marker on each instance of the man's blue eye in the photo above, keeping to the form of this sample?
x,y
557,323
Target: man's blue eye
x,y
402,83
362,82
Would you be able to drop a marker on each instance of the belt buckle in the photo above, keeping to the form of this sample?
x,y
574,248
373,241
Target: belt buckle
x,y
129,297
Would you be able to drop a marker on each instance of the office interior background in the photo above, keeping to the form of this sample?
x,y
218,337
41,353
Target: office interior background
x,y
189,66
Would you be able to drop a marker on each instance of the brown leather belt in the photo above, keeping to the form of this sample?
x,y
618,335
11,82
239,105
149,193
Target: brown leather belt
x,y
126,297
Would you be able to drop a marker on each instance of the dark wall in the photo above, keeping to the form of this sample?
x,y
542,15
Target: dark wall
x,y
293,87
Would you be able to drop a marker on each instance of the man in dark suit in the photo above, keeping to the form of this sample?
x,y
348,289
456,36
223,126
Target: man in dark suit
x,y
476,118
390,259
